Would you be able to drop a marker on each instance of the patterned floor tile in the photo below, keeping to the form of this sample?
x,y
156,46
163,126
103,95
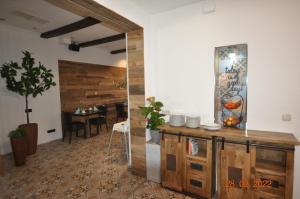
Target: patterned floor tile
x,y
82,169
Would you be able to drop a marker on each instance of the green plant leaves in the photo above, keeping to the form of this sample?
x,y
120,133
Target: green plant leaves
x,y
18,133
152,114
33,80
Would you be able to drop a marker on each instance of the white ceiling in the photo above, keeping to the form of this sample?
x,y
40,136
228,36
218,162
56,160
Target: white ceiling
x,y
41,16
157,6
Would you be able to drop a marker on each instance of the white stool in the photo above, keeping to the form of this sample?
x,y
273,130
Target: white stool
x,y
121,127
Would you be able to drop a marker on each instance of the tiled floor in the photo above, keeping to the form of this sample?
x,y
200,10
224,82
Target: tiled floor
x,y
79,170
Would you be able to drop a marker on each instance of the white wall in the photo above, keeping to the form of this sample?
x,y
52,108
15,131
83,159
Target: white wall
x,y
179,56
185,39
129,10
46,108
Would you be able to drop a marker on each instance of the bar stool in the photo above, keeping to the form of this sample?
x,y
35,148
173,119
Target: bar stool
x,y
121,127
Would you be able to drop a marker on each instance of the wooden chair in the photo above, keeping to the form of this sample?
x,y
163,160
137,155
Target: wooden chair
x,y
102,119
121,112
68,125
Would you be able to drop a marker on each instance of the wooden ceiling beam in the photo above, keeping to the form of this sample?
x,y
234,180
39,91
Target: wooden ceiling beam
x,y
102,40
93,9
84,23
118,51
76,47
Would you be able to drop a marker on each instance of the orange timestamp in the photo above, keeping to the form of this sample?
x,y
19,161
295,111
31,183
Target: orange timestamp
x,y
257,183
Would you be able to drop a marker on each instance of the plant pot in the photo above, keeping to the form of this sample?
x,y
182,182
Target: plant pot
x,y
155,136
19,148
31,130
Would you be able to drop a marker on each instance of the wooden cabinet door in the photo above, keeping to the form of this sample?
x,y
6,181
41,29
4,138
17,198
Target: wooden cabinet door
x,y
171,161
234,172
198,168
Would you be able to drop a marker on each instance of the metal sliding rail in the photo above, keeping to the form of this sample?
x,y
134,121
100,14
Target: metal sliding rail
x,y
180,134
248,144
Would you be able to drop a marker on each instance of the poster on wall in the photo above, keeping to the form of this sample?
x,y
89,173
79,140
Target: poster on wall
x,y
231,85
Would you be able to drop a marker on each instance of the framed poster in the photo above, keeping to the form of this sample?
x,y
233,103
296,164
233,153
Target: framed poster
x,y
231,64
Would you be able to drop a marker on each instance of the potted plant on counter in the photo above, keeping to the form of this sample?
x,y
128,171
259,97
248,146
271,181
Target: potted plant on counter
x,y
19,145
29,81
154,118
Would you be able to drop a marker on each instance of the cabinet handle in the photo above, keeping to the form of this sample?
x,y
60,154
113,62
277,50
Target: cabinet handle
x,y
196,166
196,183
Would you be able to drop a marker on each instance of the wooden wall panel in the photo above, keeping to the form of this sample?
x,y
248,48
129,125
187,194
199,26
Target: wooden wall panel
x,y
135,48
89,85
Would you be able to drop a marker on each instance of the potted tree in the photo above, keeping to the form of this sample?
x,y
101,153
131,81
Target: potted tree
x,y
27,80
154,118
19,145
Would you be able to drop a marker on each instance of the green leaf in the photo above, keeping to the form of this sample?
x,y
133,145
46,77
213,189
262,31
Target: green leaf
x,y
159,104
27,79
152,113
18,133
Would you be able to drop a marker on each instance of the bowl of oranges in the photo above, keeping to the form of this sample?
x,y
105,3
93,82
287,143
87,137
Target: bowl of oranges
x,y
232,102
231,121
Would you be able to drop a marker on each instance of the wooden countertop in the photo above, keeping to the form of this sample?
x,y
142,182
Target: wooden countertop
x,y
236,134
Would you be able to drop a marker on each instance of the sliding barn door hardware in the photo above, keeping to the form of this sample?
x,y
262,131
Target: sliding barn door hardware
x,y
249,144
223,142
179,137
163,134
200,137
278,148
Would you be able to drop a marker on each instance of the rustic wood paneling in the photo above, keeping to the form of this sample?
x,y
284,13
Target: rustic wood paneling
x,y
135,51
89,85
135,47
171,162
234,167
289,174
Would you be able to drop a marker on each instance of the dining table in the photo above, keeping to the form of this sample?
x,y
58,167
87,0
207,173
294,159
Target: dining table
x,y
85,118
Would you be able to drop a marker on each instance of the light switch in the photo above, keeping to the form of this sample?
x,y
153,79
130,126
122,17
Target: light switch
x,y
286,117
